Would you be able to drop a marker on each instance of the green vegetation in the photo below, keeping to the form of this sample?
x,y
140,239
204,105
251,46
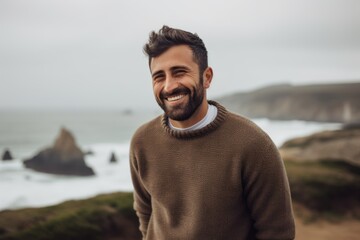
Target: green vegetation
x,y
103,217
328,189
324,189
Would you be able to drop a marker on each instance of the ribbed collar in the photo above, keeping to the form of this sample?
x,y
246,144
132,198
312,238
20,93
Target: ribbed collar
x,y
221,115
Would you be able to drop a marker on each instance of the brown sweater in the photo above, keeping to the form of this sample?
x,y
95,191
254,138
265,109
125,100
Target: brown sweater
x,y
224,181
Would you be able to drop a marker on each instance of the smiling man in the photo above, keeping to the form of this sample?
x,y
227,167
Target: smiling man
x,y
182,98
199,171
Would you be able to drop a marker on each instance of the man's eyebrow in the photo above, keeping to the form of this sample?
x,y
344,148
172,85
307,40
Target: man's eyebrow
x,y
179,68
174,68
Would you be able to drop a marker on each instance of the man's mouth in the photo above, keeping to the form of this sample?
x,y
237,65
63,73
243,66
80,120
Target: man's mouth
x,y
175,98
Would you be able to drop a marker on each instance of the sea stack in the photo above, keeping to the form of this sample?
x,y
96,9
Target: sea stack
x,y
113,158
64,158
7,155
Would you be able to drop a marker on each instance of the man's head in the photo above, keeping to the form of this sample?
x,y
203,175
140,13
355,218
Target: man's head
x,y
169,37
180,75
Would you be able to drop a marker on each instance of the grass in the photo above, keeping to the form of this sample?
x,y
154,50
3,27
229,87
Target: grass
x,y
101,217
329,189
320,190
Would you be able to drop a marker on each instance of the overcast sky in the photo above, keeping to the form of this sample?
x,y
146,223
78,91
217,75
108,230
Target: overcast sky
x,y
72,54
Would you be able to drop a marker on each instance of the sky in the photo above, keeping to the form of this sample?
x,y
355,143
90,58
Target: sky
x,y
87,54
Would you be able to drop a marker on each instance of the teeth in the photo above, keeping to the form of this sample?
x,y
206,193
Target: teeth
x,y
170,99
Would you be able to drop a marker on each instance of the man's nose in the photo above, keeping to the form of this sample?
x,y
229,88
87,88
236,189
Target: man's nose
x,y
170,84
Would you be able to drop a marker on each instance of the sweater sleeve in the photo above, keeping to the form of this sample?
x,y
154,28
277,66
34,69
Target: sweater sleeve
x,y
267,192
142,199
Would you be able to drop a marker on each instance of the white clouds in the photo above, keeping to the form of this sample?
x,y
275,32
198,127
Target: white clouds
x,y
95,46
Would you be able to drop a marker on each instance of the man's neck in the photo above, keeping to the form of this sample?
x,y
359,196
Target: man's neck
x,y
197,116
209,117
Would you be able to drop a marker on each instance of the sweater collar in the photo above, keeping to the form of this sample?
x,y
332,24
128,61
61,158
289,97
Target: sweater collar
x,y
221,115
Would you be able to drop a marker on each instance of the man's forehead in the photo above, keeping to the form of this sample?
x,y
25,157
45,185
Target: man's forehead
x,y
180,55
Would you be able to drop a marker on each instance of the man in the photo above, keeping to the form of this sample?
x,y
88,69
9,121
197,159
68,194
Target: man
x,y
200,172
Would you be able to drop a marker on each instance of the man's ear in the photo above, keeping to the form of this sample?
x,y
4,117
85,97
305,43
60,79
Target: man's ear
x,y
207,77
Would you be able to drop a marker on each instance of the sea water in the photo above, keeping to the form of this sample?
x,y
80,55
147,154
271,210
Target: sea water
x,y
103,133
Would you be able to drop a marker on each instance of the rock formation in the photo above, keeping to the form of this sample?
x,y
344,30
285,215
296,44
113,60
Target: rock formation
x,y
113,158
343,145
89,152
64,158
7,155
322,103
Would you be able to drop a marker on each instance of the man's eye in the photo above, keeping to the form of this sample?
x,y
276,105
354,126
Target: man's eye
x,y
179,73
158,78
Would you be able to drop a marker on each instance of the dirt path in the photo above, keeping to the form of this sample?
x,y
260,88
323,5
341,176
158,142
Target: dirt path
x,y
346,230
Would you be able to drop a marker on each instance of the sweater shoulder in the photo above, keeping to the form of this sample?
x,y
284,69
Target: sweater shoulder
x,y
248,128
146,130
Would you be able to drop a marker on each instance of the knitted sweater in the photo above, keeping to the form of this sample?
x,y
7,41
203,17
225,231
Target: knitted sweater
x,y
224,181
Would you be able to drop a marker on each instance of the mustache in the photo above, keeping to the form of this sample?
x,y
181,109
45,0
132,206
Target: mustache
x,y
176,91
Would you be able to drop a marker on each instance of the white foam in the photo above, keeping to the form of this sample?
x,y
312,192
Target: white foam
x,y
21,187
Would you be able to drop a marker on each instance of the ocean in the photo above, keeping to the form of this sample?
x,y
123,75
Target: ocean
x,y
25,133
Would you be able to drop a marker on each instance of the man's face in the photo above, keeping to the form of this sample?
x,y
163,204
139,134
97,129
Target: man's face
x,y
177,83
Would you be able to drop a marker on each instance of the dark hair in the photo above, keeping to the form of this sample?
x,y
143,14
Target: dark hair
x,y
168,37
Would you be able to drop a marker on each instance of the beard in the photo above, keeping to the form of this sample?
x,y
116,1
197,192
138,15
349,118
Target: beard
x,y
183,111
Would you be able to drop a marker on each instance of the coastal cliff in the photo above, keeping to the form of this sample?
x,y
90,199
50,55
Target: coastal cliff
x,y
322,103
336,145
324,172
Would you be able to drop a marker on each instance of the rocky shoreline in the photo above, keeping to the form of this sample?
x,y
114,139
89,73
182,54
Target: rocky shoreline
x,y
325,190
336,145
